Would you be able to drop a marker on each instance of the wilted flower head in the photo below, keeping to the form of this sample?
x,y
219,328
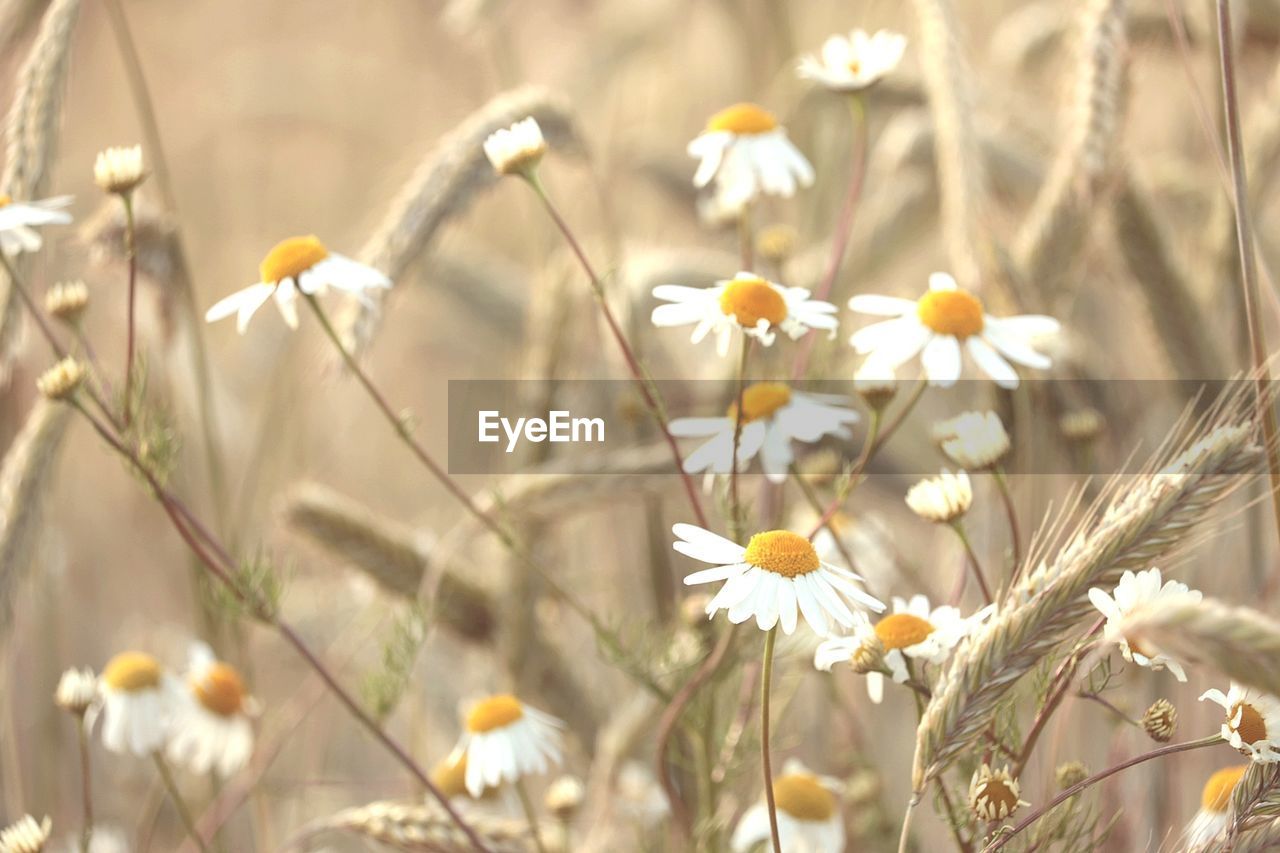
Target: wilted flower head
x,y
941,499
77,690
564,797
517,149
993,794
25,836
62,380
67,300
973,440
119,170
1160,721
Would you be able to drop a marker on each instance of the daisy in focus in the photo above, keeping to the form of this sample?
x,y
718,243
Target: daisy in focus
x,y
137,699
913,631
756,306
506,740
211,726
773,416
747,153
1135,591
18,218
1211,820
777,577
808,811
856,62
942,325
296,265
1252,724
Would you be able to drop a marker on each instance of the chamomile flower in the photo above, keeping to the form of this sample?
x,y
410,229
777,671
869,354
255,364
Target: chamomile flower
x,y
297,264
137,701
975,441
808,811
747,153
18,218
773,416
119,170
912,630
943,324
26,836
516,149
941,499
211,726
856,62
777,575
450,775
1215,798
1252,724
994,794
1135,591
756,306
506,739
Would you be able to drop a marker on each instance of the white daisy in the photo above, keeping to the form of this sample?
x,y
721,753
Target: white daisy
x,y
747,153
941,499
937,325
748,302
1211,820
856,62
17,219
973,440
1136,591
778,573
506,739
77,691
912,630
211,726
808,811
298,264
137,702
1252,724
517,148
772,417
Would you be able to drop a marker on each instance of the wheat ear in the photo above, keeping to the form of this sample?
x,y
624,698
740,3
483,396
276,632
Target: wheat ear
x,y
418,827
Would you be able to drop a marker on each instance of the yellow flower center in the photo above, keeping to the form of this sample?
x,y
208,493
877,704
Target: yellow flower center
x,y
900,630
129,672
1251,728
951,312
782,552
292,257
802,796
855,67
1000,794
750,300
743,119
450,775
221,690
761,400
494,713
5,199
1217,791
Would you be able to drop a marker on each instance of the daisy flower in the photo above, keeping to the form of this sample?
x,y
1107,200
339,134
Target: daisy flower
x,y
778,573
1252,725
746,302
854,63
808,812
17,218
772,417
747,153
973,440
912,630
941,499
516,149
298,264
137,698
25,836
77,691
211,727
450,775
119,170
1133,592
1211,820
940,325
994,794
505,740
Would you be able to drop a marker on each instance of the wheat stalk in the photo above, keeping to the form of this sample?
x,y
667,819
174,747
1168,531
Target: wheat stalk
x,y
25,477
416,827
442,187
31,138
1147,517
1058,223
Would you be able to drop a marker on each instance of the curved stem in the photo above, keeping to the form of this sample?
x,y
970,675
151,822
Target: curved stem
x,y
1011,512
973,560
179,804
1068,793
766,680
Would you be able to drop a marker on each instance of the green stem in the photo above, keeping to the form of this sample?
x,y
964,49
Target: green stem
x,y
86,785
530,815
130,249
179,804
766,680
973,561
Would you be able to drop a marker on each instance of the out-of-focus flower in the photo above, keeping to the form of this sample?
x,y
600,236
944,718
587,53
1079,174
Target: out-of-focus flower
x,y
1135,591
506,740
211,726
18,220
747,153
941,499
1215,799
119,170
973,440
138,699
848,64
808,812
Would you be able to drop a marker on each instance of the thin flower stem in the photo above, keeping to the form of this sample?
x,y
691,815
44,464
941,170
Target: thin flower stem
x,y
215,558
647,392
179,804
1082,694
904,837
735,501
1058,689
844,225
1011,512
1068,793
746,240
530,815
130,249
86,785
1248,260
974,562
766,681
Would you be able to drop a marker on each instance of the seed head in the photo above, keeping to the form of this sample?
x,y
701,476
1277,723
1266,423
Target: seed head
x,y
1160,721
1071,773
